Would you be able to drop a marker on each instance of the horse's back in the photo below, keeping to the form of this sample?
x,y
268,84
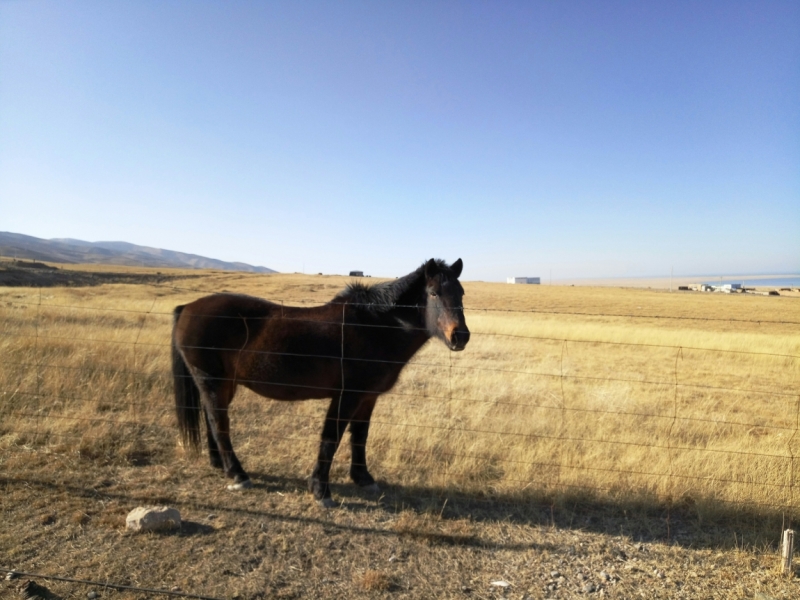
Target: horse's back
x,y
207,330
257,343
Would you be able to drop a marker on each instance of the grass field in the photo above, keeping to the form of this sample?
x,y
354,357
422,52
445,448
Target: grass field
x,y
581,425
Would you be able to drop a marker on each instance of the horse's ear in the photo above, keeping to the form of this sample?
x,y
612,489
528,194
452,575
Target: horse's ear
x,y
456,268
431,269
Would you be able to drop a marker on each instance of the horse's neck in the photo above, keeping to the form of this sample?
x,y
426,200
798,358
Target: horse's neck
x,y
409,306
409,313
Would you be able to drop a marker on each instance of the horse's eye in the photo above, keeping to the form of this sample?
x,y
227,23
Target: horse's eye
x,y
434,294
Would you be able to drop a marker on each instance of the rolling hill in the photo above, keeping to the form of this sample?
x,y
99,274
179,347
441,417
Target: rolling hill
x,y
65,250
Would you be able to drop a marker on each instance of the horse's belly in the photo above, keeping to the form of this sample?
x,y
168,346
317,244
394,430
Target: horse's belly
x,y
293,380
290,391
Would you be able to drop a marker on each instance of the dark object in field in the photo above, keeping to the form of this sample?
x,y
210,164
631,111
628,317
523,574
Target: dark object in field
x,y
22,274
32,590
351,350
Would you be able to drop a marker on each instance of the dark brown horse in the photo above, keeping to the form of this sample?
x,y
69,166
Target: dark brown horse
x,y
350,350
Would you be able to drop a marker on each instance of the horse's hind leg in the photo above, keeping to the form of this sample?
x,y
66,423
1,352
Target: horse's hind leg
x,y
213,450
216,395
359,430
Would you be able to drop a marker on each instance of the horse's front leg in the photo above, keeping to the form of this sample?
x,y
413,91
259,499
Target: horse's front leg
x,y
359,430
339,414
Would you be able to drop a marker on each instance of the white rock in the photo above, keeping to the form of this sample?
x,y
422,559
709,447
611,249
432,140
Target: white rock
x,y
152,518
501,583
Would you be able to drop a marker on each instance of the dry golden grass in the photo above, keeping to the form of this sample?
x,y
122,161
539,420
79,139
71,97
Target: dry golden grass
x,y
667,396
604,398
374,581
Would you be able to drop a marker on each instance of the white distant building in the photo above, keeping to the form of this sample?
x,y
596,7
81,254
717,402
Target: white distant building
x,y
536,280
725,288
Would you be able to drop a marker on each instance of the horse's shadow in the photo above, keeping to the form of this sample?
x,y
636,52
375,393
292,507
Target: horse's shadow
x,y
639,518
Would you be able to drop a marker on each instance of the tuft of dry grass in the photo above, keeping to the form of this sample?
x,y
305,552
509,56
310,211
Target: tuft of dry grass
x,y
373,580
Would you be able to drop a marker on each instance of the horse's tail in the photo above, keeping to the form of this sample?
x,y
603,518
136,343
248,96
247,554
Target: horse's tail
x,y
187,394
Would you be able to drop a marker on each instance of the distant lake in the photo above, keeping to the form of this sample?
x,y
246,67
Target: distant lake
x,y
777,282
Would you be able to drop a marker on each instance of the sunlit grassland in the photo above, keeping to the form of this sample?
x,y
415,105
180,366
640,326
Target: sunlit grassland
x,y
674,397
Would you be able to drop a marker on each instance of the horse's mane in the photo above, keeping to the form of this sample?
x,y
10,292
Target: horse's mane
x,y
382,297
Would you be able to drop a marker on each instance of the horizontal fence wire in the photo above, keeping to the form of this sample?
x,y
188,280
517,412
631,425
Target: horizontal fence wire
x,y
528,482
437,398
462,455
470,309
42,336
425,427
247,381
38,335
102,585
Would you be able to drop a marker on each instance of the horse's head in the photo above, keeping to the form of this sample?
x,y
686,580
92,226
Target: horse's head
x,y
444,312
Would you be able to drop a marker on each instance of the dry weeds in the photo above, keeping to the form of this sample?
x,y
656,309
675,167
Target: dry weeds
x,y
583,431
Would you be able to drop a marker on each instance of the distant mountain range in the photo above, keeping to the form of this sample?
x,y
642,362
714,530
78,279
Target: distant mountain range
x,y
16,245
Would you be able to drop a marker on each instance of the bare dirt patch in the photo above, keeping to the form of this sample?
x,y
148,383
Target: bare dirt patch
x,y
274,541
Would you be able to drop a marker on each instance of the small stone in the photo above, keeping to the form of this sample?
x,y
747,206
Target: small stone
x,y
211,517
501,583
153,518
11,575
91,595
392,558
581,576
555,574
605,576
588,588
466,589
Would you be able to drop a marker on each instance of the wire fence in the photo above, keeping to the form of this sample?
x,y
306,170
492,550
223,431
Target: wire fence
x,y
519,411
518,408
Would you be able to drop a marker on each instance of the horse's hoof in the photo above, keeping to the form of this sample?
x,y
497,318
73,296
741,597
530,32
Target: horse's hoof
x,y
372,488
242,485
327,503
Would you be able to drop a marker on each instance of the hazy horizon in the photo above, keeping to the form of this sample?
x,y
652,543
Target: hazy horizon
x,y
544,279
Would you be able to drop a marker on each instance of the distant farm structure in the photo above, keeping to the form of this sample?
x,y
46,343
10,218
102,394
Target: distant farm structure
x,y
533,280
726,288
356,273
733,288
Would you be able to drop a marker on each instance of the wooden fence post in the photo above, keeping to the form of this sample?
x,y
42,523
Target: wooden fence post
x,y
788,550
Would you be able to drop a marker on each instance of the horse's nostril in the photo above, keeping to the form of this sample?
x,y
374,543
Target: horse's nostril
x,y
459,338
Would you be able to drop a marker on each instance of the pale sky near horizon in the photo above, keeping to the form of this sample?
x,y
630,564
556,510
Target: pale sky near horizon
x,y
586,139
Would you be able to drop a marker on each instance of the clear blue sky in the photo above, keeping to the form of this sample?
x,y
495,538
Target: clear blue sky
x,y
591,138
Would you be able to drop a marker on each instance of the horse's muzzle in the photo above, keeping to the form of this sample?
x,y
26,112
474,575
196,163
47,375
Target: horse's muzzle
x,y
459,339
